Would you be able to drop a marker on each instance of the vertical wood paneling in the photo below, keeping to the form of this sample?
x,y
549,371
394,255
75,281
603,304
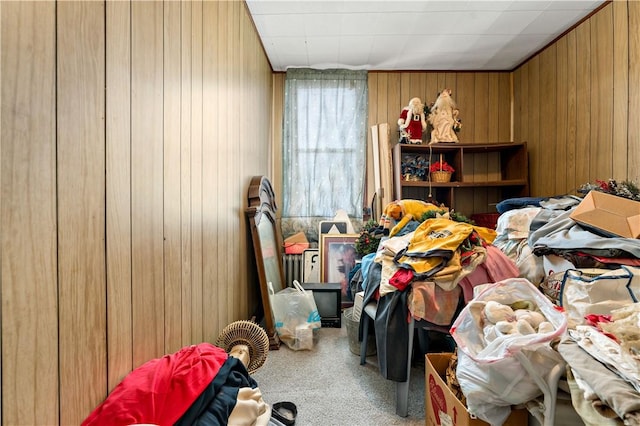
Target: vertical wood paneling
x,y
418,84
620,40
186,199
597,88
147,180
517,104
372,107
480,108
172,216
118,175
197,165
524,109
465,98
572,111
559,165
493,108
601,79
383,99
583,104
224,116
276,134
442,81
493,125
235,50
259,80
127,184
481,130
546,153
431,90
394,103
505,101
28,214
81,206
213,157
484,100
535,149
137,289
1,211
405,90
633,147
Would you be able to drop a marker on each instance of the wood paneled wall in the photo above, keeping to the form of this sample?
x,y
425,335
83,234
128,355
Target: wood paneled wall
x,y
484,100
576,102
129,132
124,164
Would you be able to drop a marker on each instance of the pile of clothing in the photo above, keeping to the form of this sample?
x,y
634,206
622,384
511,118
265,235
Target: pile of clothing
x,y
595,278
197,385
427,269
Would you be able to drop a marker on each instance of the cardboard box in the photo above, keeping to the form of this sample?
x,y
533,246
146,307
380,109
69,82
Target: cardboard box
x,y
609,214
296,243
443,408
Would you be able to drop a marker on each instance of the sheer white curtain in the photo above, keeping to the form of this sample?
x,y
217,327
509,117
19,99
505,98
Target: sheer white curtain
x,y
324,146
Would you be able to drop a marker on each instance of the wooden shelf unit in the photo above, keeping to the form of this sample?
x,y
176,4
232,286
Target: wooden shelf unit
x,y
485,174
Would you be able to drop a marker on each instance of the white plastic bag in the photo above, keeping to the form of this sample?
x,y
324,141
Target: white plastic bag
x,y
512,369
598,291
295,315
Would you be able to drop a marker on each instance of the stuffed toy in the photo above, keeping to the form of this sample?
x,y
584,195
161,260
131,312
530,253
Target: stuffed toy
x,y
498,319
402,211
412,122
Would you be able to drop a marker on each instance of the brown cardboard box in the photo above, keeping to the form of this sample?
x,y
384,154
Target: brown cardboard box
x,y
614,215
443,408
296,243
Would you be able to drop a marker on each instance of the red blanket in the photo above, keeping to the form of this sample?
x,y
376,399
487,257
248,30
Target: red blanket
x,y
161,390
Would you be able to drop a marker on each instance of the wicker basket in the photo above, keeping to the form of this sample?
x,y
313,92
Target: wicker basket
x,y
440,176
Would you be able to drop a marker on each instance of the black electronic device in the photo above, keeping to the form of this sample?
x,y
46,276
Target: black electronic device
x,y
328,297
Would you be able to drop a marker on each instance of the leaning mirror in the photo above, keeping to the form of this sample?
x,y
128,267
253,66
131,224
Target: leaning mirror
x,y
267,244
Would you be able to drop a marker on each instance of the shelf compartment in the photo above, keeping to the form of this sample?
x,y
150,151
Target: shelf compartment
x,y
484,173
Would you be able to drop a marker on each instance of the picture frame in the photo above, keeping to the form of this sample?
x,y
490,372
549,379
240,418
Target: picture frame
x,y
311,266
337,257
332,227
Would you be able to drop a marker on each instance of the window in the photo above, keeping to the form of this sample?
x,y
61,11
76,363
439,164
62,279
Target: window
x,y
324,145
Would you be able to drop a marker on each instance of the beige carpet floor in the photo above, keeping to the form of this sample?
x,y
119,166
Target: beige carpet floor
x,y
331,388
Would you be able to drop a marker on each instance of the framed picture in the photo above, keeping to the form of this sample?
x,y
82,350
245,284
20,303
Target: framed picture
x,y
337,258
311,266
331,227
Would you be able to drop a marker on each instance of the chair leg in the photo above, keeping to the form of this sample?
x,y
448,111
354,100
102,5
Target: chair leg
x,y
402,388
365,337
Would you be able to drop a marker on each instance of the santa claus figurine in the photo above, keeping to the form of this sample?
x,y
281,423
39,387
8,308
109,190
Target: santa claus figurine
x,y
412,122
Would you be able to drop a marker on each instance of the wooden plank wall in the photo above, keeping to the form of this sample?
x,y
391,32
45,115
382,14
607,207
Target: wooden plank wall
x,y
484,100
123,235
575,104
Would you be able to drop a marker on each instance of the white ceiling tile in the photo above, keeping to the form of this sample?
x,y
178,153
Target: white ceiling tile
x,y
281,25
531,6
513,22
550,22
586,5
322,24
418,34
291,45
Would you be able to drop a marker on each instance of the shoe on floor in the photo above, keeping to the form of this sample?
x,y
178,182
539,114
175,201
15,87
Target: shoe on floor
x,y
285,412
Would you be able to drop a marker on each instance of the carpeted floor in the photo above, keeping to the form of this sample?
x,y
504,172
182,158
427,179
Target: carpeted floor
x,y
330,388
